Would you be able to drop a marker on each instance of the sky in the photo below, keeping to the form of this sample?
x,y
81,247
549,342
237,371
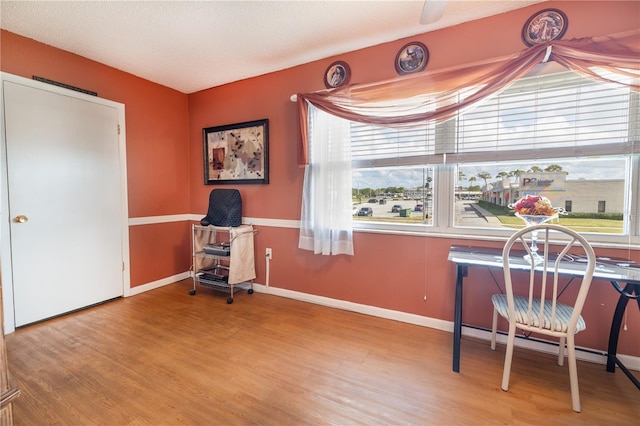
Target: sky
x,y
592,169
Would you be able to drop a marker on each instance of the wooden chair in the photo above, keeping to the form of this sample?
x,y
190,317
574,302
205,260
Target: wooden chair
x,y
552,318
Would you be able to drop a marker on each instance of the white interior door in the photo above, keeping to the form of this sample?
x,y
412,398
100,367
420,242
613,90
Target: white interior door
x,y
64,200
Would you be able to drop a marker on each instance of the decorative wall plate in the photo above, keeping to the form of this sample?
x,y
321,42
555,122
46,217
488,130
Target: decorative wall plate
x,y
544,26
413,57
337,74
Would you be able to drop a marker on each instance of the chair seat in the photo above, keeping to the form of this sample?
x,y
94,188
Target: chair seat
x,y
563,313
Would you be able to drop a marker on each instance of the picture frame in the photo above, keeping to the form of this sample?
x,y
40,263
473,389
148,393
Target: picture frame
x,y
337,74
543,26
412,57
237,153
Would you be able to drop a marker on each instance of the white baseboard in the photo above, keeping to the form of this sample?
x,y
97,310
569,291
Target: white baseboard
x,y
631,362
586,354
159,283
356,307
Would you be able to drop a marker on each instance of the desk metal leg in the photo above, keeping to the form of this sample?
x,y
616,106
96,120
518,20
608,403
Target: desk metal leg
x,y
461,272
612,359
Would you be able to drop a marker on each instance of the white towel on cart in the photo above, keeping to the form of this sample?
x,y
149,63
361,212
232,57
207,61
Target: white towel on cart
x,y
242,265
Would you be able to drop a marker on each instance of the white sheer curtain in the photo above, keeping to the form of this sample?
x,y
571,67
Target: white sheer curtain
x,y
325,223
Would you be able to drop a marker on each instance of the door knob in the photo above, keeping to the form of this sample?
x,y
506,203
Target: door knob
x,y
21,219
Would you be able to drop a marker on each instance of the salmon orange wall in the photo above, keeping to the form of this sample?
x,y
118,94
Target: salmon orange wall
x,y
403,273
157,145
160,250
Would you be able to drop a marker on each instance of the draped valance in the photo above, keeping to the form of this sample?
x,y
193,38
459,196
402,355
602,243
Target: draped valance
x,y
438,93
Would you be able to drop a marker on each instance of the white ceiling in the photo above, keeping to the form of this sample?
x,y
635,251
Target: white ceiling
x,y
194,45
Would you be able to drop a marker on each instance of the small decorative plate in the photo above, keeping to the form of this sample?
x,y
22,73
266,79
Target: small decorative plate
x,y
337,74
544,26
413,57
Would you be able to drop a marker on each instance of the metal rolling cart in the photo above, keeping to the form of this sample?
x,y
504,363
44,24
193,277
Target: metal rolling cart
x,y
223,258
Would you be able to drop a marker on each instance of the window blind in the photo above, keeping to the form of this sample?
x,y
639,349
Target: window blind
x,y
549,116
546,116
374,146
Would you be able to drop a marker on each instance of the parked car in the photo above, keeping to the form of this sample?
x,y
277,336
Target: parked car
x,y
418,208
365,211
354,210
382,201
373,201
396,208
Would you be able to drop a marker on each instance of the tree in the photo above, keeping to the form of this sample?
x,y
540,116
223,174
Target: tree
x,y
365,191
502,175
471,185
484,176
516,173
553,168
535,169
394,190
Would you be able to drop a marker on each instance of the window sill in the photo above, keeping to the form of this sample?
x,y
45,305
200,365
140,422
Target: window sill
x,y
476,234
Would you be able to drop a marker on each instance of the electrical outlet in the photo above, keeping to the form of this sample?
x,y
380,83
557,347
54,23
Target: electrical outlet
x,y
268,253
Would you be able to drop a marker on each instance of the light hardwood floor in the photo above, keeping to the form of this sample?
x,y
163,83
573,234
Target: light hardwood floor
x,y
166,358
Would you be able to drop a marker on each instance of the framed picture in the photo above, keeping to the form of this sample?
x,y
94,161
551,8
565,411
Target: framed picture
x,y
237,153
337,74
413,57
546,25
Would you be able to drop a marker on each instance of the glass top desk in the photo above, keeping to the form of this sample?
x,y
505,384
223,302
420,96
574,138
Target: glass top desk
x,y
618,272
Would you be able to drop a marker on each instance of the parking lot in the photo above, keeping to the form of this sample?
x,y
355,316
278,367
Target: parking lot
x,y
384,210
465,214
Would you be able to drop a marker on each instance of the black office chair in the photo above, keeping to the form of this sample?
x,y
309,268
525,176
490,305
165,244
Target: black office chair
x,y
225,208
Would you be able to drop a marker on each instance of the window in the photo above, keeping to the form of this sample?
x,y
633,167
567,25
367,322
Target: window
x,y
601,206
578,185
402,195
569,138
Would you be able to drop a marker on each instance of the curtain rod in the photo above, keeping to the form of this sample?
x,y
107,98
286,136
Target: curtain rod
x,y
547,55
